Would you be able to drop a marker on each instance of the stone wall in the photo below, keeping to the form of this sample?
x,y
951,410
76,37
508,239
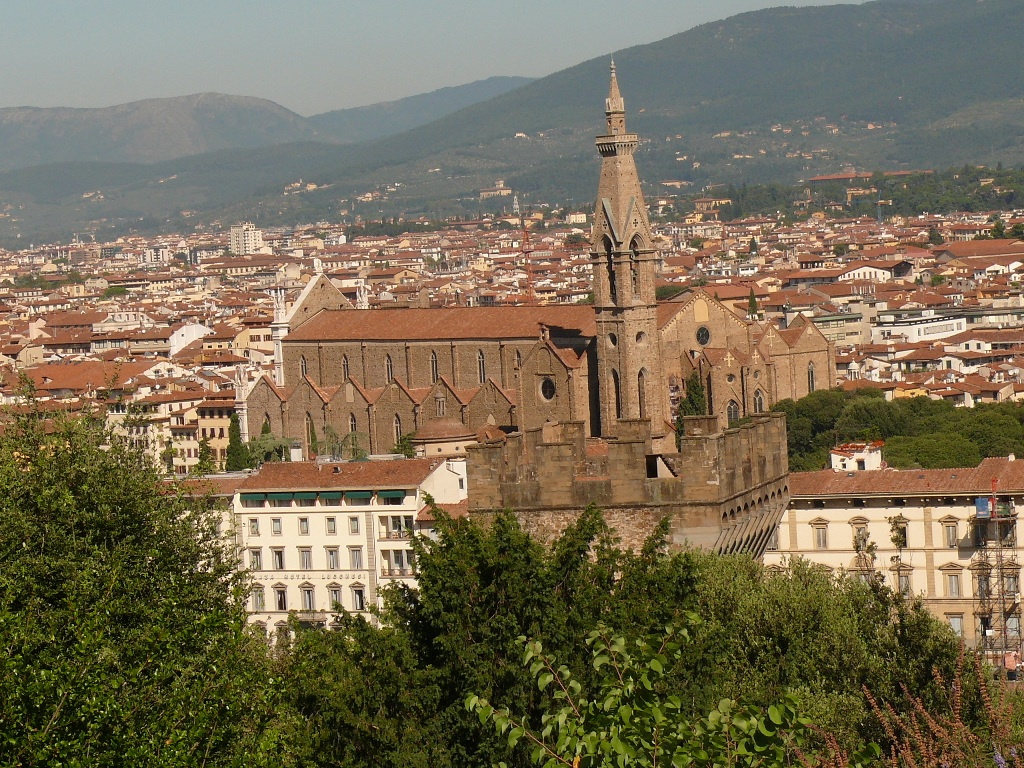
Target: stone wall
x,y
723,490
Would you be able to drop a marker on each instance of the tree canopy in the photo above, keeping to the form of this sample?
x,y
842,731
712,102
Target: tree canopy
x,y
121,615
918,432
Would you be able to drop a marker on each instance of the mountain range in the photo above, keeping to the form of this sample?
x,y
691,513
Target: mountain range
x,y
154,130
780,94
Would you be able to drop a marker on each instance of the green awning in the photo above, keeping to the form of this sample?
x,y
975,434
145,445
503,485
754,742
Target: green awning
x,y
391,494
253,496
280,496
305,495
331,495
358,494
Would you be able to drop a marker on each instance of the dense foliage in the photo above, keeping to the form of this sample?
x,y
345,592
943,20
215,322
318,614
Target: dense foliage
x,y
760,638
918,432
122,624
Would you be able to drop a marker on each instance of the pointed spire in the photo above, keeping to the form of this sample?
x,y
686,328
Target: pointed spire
x,y
615,106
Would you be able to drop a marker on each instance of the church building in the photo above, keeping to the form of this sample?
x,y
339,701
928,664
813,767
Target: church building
x,y
447,378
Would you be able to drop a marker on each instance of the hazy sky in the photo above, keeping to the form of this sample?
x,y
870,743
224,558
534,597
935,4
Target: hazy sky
x,y
314,55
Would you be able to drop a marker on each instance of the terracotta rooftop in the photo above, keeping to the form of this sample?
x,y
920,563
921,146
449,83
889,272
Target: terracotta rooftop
x,y
399,473
909,482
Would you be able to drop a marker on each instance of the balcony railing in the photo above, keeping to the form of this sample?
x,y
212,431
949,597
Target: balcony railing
x,y
397,573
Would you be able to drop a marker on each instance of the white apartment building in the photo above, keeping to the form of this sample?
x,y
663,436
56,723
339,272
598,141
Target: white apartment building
x,y
925,325
318,536
961,557
245,238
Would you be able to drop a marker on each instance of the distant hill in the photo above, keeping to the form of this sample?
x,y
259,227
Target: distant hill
x,y
390,117
781,94
145,131
155,130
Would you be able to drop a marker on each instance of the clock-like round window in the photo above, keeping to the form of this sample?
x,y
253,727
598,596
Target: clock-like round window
x,y
547,389
703,335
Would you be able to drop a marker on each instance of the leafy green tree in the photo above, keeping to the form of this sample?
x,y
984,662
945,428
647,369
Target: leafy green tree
x,y
204,465
122,615
405,446
998,229
934,236
238,456
637,718
695,403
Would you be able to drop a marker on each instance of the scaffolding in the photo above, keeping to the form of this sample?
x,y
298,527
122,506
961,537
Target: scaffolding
x,y
997,608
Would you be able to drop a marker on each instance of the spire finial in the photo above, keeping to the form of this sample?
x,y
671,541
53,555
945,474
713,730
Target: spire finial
x,y
615,106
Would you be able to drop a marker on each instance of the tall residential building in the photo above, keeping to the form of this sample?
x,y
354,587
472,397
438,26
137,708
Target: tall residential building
x,y
245,238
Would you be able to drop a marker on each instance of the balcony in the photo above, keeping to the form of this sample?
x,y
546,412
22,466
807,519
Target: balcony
x,y
313,618
397,573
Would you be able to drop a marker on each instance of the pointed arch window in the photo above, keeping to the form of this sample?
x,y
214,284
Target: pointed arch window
x,y
519,360
303,366
634,265
810,377
732,411
352,423
344,368
398,429
389,369
758,401
609,258
617,393
641,389
310,433
481,366
434,371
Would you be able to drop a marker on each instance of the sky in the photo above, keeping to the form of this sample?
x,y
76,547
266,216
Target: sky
x,y
313,56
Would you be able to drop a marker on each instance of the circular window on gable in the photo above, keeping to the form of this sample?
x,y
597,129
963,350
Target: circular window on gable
x,y
703,335
547,388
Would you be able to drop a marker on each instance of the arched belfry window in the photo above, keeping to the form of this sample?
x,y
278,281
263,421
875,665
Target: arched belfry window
x,y
344,368
617,393
810,377
434,371
732,411
758,401
481,366
609,258
389,368
634,265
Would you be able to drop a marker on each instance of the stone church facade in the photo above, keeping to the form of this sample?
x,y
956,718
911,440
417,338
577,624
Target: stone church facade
x,y
459,377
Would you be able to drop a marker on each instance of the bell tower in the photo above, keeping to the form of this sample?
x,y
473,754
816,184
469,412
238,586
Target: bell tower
x,y
624,262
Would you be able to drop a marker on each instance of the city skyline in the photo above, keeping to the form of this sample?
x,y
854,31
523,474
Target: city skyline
x,y
317,56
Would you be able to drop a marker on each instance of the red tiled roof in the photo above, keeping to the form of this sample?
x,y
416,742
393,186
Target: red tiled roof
x,y
399,473
909,482
445,323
